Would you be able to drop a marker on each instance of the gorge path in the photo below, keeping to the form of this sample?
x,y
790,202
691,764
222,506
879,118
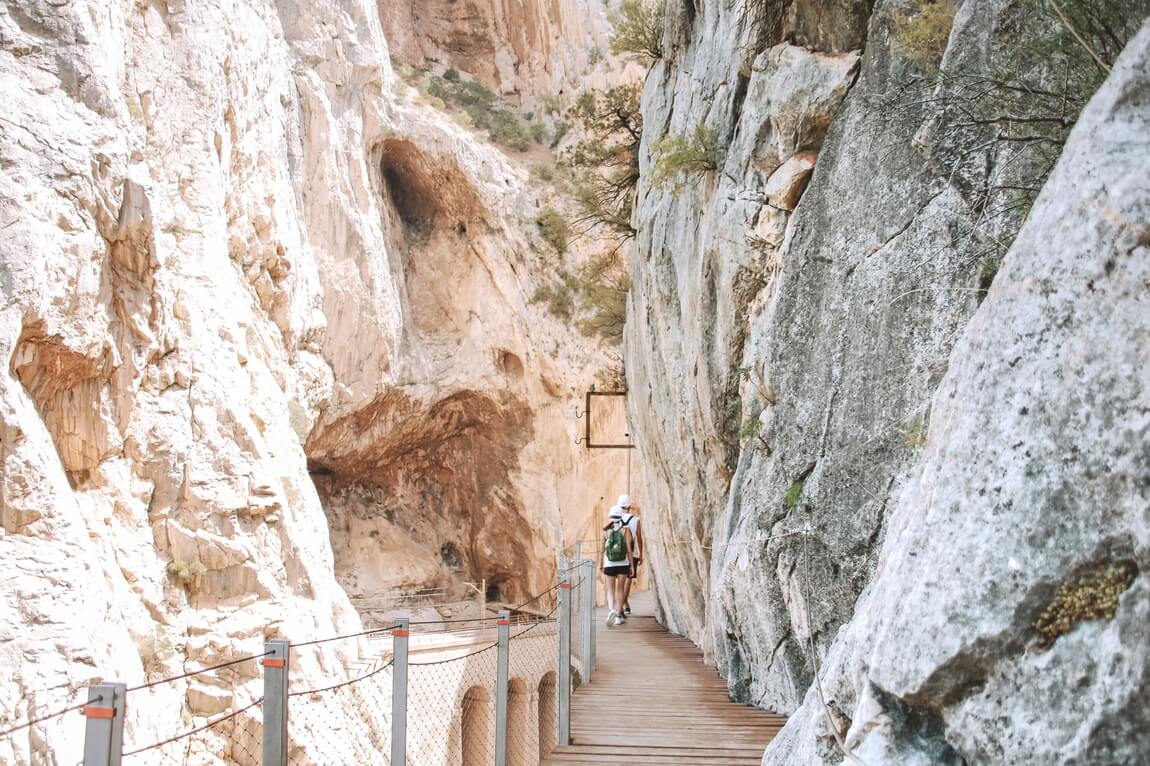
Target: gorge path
x,y
653,702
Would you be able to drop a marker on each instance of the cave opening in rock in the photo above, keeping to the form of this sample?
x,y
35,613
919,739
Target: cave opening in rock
x,y
409,186
509,364
449,553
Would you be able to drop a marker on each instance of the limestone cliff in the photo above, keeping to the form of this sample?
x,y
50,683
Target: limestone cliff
x,y
243,262
517,47
1006,620
798,294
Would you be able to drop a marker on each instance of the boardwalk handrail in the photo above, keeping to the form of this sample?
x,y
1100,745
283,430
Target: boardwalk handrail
x,y
446,694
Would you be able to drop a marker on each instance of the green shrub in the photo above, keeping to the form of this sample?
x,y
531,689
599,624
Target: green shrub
x,y
541,172
561,128
603,284
915,433
750,428
922,35
539,132
609,156
594,56
559,297
675,155
554,229
187,573
551,104
503,127
481,107
638,29
1092,595
794,492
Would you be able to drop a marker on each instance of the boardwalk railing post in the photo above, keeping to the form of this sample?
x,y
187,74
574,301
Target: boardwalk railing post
x,y
501,674
399,635
104,730
275,704
564,669
587,613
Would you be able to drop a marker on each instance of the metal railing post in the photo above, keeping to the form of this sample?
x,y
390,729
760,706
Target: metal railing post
x,y
399,692
104,729
564,669
501,674
587,623
275,703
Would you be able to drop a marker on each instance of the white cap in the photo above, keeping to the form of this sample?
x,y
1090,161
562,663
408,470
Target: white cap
x,y
616,512
624,501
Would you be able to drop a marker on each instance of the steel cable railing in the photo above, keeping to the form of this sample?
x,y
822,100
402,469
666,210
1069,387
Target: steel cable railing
x,y
346,722
474,688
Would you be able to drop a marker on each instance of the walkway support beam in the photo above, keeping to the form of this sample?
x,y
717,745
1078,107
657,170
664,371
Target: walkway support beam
x,y
275,703
587,612
104,729
501,674
564,668
399,634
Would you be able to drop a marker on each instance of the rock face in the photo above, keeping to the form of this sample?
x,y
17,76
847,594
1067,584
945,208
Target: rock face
x,y
784,337
513,46
1006,621
237,250
706,250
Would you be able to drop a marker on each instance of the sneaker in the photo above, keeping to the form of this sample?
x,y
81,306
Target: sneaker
x,y
627,611
619,619
611,617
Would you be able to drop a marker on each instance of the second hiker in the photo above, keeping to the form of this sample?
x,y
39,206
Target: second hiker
x,y
631,521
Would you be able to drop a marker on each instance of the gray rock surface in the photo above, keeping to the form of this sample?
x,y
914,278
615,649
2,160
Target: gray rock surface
x,y
830,327
1036,479
783,363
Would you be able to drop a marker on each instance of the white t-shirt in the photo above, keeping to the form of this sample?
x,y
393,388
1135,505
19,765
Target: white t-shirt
x,y
632,523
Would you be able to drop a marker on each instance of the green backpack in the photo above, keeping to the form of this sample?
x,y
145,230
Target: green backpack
x,y
616,547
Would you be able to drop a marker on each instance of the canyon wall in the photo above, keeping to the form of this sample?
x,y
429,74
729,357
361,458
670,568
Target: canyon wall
x,y
516,47
1006,620
243,262
796,304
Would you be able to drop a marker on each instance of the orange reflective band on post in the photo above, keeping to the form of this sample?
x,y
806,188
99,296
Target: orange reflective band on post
x,y
401,633
565,585
100,712
274,663
503,622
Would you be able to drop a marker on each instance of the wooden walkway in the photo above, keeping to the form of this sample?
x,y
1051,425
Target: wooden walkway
x,y
652,702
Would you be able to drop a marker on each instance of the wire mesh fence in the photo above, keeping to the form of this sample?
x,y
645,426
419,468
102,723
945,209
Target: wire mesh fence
x,y
232,737
347,723
451,704
456,714
532,700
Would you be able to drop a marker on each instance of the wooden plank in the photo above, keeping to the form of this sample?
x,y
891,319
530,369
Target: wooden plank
x,y
654,703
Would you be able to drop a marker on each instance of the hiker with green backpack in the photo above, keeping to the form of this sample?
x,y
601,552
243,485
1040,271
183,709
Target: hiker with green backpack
x,y
618,564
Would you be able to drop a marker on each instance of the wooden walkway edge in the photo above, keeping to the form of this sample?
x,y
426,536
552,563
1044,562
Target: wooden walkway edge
x,y
652,702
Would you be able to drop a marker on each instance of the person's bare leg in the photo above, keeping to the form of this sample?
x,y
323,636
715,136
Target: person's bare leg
x,y
610,592
626,595
620,585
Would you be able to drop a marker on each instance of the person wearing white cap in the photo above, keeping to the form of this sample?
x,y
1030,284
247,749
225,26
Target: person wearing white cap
x,y
631,521
617,567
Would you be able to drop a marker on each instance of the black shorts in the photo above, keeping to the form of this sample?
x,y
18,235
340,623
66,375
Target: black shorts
x,y
617,570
